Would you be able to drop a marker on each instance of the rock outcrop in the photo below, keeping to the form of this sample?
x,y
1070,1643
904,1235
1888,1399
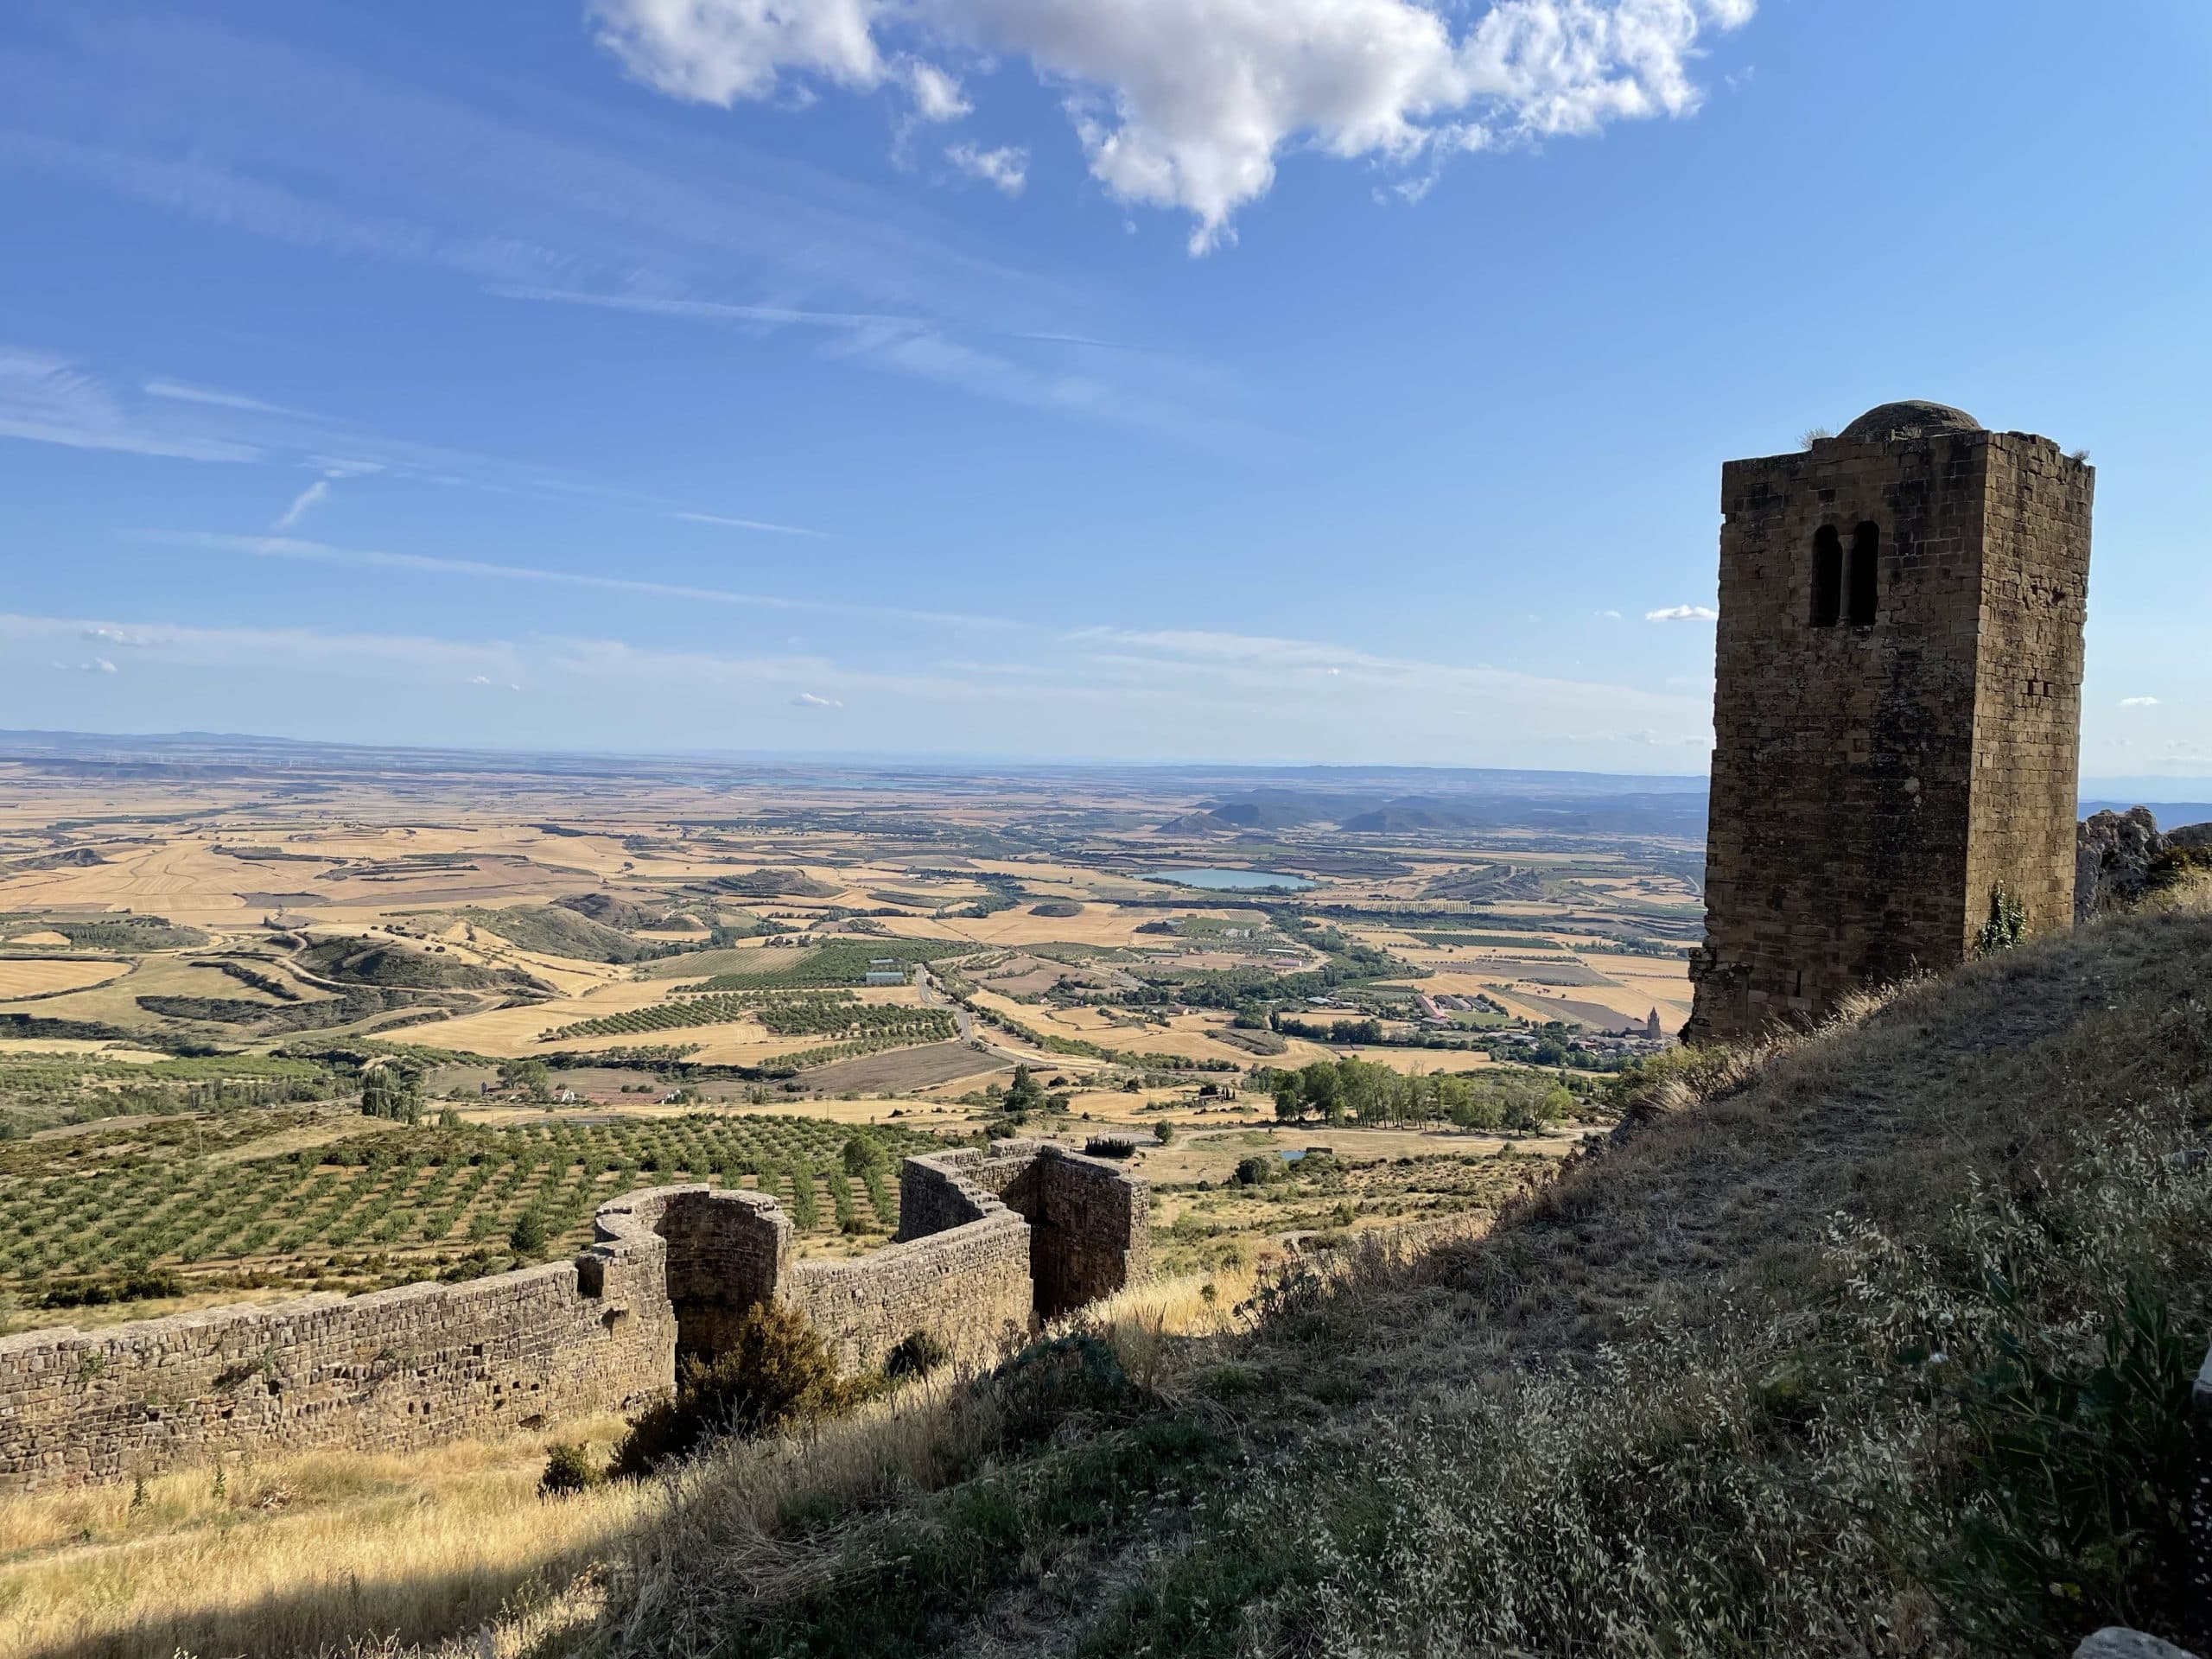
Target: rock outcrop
x,y
2116,855
2113,854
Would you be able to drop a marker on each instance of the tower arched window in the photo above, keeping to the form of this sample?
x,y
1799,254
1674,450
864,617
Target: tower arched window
x,y
1863,578
1827,577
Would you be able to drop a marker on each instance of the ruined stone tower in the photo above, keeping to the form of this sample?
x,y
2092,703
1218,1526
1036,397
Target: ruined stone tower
x,y
1897,714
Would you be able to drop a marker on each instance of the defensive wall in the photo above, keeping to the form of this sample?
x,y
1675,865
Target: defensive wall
x,y
990,1244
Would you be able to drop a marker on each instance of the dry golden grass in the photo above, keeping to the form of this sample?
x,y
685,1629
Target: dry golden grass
x,y
22,976
299,1554
1717,1206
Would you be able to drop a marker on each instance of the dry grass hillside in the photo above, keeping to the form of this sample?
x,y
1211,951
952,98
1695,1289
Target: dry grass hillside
x,y
1876,1343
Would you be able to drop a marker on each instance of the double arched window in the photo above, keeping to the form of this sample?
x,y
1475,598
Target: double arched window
x,y
1847,591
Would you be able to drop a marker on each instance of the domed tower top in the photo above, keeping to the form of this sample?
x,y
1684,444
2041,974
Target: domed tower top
x,y
1911,419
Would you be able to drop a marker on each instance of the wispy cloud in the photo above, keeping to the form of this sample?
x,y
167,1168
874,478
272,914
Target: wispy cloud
x,y
1279,673
915,347
310,497
1683,613
47,399
2139,702
1156,692
279,547
240,132
1006,169
208,397
740,524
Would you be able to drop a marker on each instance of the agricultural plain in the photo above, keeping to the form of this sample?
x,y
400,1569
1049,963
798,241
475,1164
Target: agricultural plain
x,y
406,1015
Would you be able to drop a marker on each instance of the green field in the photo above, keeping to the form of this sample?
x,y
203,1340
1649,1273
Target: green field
x,y
772,968
832,1014
182,1204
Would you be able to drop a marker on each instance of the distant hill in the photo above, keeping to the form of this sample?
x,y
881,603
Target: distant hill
x,y
775,884
608,910
559,929
77,858
372,963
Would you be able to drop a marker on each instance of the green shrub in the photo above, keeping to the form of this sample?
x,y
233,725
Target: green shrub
x,y
777,1372
529,1235
1040,1387
568,1468
1257,1169
2006,926
921,1352
2081,1480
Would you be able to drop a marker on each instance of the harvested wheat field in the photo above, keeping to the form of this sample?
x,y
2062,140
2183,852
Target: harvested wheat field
x,y
21,976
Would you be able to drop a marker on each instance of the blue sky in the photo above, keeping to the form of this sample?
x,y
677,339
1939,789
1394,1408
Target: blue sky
x,y
1337,380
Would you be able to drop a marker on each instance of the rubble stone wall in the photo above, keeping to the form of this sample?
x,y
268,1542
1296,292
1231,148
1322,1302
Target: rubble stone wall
x,y
672,1268
390,1371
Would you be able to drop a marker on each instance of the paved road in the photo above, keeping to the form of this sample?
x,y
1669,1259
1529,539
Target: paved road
x,y
934,998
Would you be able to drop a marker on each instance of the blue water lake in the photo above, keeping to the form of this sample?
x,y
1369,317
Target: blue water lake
x,y
1229,880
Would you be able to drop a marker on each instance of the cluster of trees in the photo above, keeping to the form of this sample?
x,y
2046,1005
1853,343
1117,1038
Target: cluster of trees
x,y
1360,1091
533,1077
392,1091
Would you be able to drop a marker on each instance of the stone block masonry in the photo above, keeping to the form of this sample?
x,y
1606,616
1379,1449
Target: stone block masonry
x,y
990,1244
1897,710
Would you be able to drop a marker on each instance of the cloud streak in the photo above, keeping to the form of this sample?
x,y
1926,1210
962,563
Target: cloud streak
x,y
1683,613
280,547
741,524
306,500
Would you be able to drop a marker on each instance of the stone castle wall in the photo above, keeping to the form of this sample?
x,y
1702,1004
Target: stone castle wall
x,y
1875,776
2027,726
390,1371
671,1269
1090,1233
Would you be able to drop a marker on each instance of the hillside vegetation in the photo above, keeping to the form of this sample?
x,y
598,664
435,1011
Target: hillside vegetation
x,y
1878,1343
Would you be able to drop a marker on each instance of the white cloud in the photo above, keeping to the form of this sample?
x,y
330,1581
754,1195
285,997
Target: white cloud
x,y
112,636
310,497
1609,616
740,524
480,679
1188,104
720,51
808,700
98,666
1005,169
2139,702
1683,613
937,96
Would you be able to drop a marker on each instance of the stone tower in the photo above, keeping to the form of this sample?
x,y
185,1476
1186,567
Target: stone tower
x,y
1896,713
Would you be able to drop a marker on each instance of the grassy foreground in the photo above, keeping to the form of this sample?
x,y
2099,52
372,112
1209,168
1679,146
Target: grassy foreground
x,y
1876,1343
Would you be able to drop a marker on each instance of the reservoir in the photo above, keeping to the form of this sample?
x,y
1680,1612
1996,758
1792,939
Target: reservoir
x,y
1229,880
